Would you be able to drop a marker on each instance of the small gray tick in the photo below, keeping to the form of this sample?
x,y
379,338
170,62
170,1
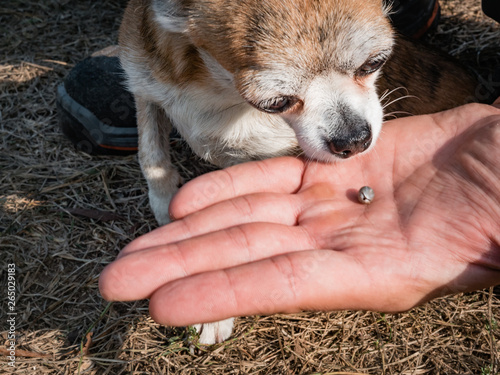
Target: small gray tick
x,y
366,195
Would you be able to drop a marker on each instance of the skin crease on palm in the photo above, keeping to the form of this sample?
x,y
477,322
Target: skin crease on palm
x,y
286,235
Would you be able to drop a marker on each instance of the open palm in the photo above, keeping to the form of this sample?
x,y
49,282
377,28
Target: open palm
x,y
285,235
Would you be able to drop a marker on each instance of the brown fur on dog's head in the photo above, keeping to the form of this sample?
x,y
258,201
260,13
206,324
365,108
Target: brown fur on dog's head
x,y
303,37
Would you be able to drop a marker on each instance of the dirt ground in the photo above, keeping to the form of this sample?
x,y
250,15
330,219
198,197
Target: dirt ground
x,y
49,193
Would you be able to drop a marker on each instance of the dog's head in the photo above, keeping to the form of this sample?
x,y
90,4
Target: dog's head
x,y
313,62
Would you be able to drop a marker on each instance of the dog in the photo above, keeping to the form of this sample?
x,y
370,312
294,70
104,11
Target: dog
x,y
244,80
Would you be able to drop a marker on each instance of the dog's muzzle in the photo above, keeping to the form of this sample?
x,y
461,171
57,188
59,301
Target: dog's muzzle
x,y
351,134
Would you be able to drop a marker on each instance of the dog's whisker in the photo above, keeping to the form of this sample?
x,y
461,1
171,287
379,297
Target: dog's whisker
x,y
385,105
386,93
395,114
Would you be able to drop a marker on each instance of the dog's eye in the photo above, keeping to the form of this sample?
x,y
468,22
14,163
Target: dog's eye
x,y
370,66
277,105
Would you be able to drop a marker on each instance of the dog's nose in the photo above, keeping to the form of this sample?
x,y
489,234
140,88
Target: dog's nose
x,y
345,147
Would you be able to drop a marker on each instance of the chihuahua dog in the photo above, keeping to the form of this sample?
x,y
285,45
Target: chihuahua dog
x,y
243,80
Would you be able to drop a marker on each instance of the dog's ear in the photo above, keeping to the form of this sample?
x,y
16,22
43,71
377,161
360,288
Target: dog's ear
x,y
172,15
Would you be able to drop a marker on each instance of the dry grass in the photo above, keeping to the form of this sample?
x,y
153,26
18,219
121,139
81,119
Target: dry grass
x,y
63,325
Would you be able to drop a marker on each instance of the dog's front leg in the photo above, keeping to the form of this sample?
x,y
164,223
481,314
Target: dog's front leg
x,y
154,156
211,333
163,181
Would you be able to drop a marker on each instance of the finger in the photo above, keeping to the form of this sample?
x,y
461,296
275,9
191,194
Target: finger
x,y
139,274
307,280
497,103
272,175
268,207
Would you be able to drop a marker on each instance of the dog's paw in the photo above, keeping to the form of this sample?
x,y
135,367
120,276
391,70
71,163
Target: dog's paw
x,y
159,205
212,333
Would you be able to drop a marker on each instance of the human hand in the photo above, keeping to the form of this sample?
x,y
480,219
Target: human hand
x,y
285,235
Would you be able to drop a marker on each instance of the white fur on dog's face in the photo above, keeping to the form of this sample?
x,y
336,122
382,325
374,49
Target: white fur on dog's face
x,y
330,100
327,102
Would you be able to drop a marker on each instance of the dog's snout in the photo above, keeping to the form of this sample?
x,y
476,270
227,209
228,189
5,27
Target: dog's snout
x,y
347,145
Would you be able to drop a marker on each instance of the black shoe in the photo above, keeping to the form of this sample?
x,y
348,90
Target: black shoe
x,y
414,18
492,9
96,112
